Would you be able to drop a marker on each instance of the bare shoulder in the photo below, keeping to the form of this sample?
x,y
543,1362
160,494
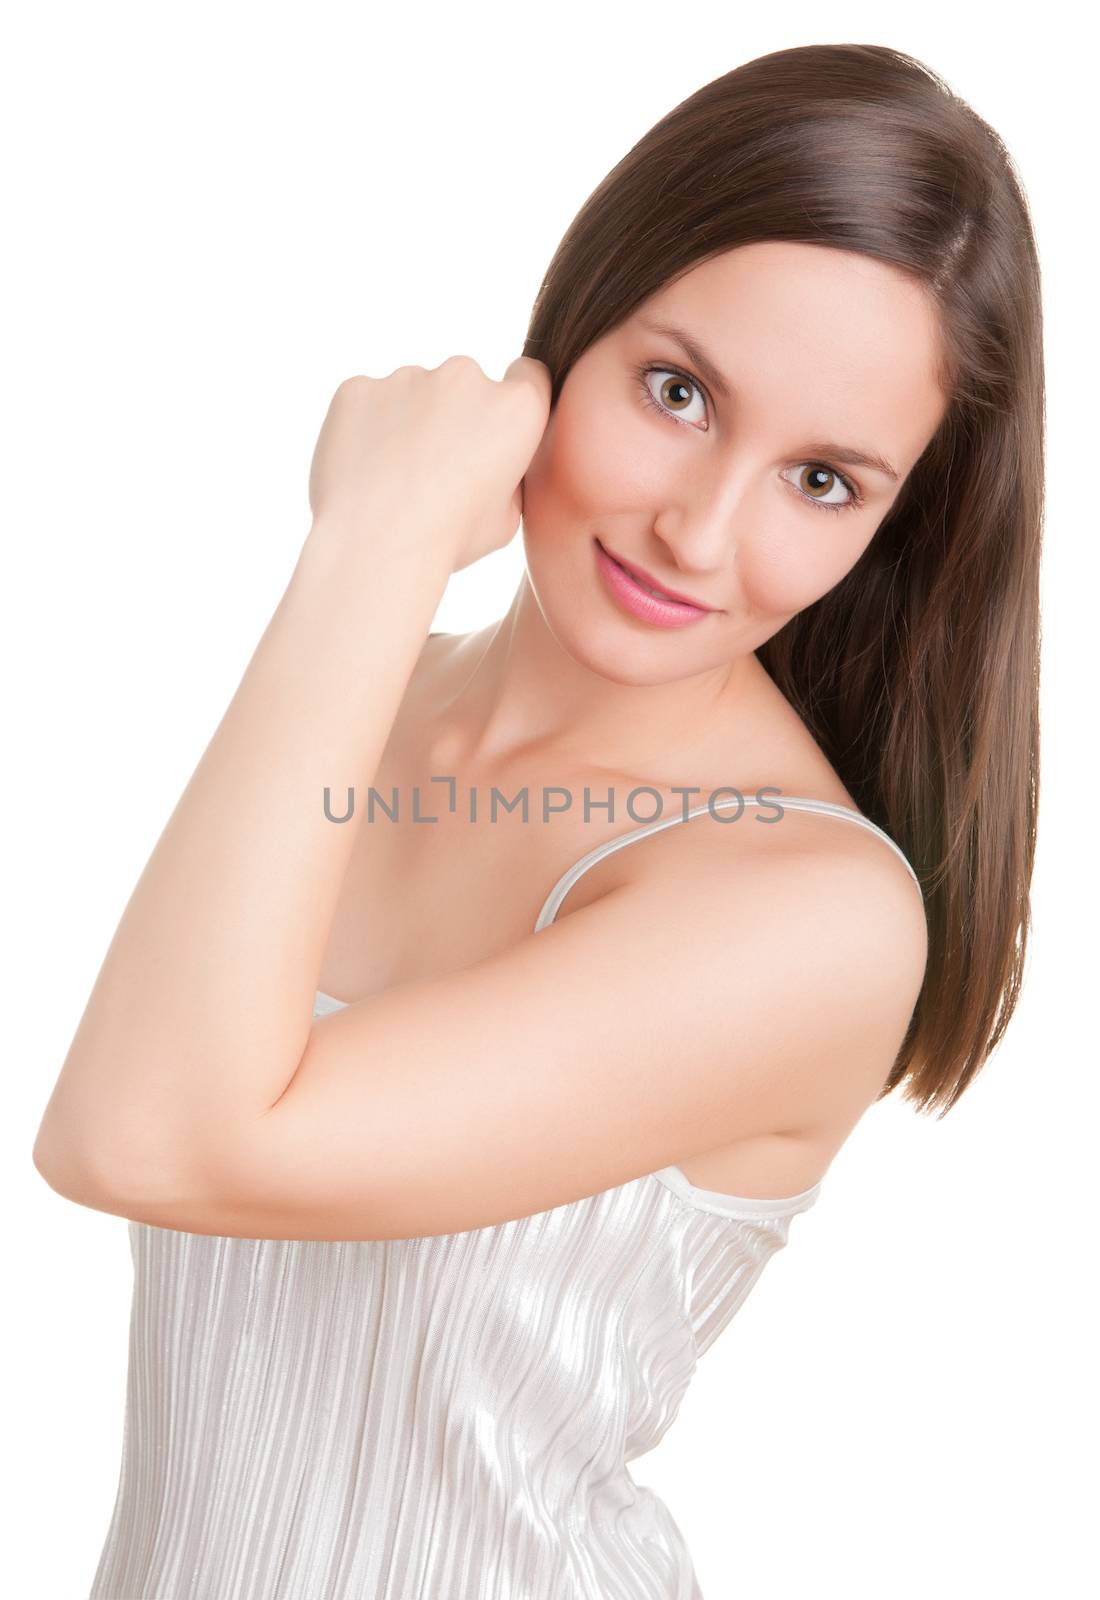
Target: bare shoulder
x,y
856,865
842,920
849,889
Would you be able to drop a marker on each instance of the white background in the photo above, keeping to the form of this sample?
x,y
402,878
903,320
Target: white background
x,y
214,213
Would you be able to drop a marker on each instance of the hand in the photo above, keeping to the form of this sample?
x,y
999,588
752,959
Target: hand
x,y
434,454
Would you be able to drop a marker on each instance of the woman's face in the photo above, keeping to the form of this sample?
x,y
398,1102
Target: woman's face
x,y
739,500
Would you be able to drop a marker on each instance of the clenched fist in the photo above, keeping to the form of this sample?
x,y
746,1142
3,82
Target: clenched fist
x,y
433,454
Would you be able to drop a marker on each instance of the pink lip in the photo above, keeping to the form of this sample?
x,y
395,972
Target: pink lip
x,y
673,612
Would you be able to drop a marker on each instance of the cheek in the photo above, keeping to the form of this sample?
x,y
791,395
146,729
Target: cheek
x,y
786,571
590,462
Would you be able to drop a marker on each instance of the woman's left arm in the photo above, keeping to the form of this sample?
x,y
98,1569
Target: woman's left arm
x,y
202,1008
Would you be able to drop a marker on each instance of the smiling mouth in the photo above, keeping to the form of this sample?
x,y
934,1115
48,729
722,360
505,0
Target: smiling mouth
x,y
649,588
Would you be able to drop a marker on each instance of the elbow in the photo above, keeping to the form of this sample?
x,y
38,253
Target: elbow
x,y
86,1183
157,1192
131,1165
44,1165
63,1152
69,1150
76,1164
68,1176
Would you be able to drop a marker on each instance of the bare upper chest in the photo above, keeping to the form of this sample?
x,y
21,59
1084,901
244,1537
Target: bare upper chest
x,y
454,877
445,874
421,899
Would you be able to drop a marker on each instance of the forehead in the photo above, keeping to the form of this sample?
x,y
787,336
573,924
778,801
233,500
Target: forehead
x,y
829,336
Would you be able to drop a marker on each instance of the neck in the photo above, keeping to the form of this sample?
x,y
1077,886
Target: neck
x,y
515,693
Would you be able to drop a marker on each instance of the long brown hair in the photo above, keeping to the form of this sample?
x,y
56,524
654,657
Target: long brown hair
x,y
917,673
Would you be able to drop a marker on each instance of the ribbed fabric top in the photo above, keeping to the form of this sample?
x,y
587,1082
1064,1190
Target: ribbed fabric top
x,y
442,1418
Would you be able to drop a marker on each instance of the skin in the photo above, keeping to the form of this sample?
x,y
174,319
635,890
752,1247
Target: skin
x,y
197,1096
816,343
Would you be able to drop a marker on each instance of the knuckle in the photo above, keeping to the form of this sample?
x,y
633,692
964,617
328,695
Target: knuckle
x,y
353,385
461,363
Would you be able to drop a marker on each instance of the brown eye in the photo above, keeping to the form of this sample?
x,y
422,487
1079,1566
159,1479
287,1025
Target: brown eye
x,y
674,395
815,481
675,392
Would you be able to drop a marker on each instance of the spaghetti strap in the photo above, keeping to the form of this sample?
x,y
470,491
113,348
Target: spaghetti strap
x,y
557,894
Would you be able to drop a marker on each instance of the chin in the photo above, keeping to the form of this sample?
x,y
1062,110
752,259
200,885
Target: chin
x,y
614,650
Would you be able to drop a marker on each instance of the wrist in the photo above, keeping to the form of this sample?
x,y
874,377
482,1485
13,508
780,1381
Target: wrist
x,y
386,553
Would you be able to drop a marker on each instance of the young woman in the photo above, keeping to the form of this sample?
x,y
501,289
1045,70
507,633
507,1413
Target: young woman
x,y
448,1146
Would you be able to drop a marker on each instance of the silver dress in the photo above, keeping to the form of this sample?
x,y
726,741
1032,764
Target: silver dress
x,y
443,1418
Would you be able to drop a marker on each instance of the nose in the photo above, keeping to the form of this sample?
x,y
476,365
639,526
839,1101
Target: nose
x,y
701,521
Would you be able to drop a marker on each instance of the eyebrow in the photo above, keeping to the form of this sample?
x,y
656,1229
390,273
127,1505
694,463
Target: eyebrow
x,y
850,455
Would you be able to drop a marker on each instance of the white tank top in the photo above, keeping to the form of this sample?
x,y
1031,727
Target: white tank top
x,y
444,1418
